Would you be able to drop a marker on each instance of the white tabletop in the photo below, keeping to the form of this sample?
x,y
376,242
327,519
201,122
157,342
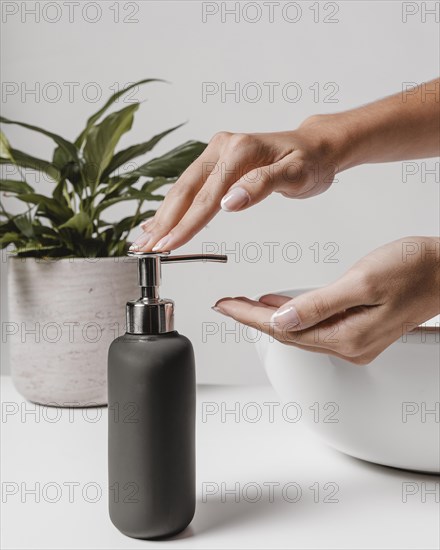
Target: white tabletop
x,y
292,491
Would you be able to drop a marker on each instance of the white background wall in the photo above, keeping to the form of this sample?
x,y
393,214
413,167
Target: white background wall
x,y
368,53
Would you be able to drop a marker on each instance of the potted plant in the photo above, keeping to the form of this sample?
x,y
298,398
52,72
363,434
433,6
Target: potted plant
x,y
68,275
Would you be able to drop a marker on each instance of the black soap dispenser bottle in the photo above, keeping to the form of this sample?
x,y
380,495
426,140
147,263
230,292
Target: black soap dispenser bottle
x,y
151,412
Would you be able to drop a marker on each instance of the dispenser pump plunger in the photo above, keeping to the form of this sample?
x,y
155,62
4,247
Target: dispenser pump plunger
x,y
150,314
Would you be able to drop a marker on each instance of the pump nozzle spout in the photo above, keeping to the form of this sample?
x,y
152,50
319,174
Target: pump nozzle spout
x,y
150,314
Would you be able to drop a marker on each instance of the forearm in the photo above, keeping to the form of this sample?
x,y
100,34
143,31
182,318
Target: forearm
x,y
403,126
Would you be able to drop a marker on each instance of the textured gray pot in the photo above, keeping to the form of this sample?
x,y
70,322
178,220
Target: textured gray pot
x,y
63,315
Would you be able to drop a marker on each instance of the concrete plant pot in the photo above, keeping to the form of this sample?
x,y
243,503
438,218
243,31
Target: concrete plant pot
x,y
63,315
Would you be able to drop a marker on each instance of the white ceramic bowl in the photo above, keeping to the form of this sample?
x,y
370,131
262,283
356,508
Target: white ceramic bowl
x,y
382,410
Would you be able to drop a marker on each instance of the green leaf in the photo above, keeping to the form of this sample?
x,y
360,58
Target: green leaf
x,y
9,238
116,185
93,248
80,223
27,161
61,195
94,118
66,146
173,163
5,148
13,186
120,248
38,251
135,151
60,158
84,248
76,233
102,140
47,206
72,172
8,226
133,194
24,224
115,189
44,232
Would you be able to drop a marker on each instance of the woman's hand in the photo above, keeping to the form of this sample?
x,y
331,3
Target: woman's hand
x,y
383,296
239,170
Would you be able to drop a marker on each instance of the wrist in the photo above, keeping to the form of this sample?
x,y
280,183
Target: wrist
x,y
338,135
424,254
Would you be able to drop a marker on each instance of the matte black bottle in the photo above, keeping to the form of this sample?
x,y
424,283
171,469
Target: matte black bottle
x,y
151,400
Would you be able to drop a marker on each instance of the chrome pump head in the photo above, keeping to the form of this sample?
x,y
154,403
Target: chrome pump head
x,y
150,314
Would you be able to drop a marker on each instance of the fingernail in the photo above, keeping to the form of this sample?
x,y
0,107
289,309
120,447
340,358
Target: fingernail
x,y
235,199
161,243
140,241
286,315
218,310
